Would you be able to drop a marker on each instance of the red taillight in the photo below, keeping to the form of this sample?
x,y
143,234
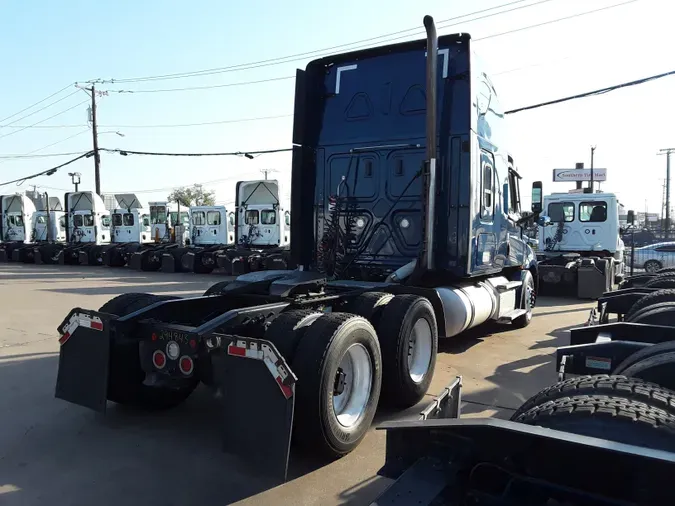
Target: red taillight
x,y
193,343
159,359
186,365
154,336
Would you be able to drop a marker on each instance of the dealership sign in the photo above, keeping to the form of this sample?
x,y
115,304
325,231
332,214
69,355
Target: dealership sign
x,y
579,174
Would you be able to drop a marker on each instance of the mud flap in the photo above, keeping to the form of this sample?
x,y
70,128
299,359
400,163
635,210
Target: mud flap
x,y
258,399
83,359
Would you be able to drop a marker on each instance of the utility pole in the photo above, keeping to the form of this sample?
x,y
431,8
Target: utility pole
x,y
667,152
94,132
592,156
266,171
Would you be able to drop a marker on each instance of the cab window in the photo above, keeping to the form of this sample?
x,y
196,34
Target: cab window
x,y
593,212
487,189
213,218
117,220
514,193
198,218
89,220
105,221
146,220
158,215
561,211
62,222
288,219
268,217
128,219
77,220
252,217
41,220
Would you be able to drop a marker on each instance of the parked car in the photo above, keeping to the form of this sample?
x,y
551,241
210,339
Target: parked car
x,y
641,238
653,257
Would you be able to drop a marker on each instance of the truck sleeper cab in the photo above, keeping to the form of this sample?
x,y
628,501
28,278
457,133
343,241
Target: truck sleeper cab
x,y
360,318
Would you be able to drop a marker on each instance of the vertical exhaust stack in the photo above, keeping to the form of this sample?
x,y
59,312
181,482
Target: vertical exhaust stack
x,y
432,73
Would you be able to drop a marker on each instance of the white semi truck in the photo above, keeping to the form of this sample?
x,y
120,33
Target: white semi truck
x,y
580,252
212,232
87,230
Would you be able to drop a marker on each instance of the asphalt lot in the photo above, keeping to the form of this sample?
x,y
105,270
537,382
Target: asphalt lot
x,y
52,452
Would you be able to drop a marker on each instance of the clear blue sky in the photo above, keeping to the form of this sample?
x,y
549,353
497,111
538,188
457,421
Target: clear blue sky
x,y
47,45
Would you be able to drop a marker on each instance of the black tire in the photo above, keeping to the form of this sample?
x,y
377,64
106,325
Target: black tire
x,y
217,288
399,317
125,379
603,384
649,300
661,282
316,362
652,266
660,314
654,363
606,417
528,299
370,305
287,329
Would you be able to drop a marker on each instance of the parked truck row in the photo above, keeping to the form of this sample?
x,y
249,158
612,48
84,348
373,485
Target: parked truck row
x,y
159,236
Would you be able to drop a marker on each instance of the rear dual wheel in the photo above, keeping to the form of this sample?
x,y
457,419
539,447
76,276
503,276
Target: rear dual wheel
x,y
337,360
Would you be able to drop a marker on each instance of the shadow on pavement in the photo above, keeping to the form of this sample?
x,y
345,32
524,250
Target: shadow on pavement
x,y
53,452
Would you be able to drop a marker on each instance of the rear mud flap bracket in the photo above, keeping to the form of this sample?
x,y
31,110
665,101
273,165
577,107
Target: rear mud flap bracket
x,y
83,359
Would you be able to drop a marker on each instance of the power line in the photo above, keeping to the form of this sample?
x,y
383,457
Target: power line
x,y
537,25
247,154
194,88
181,125
39,110
30,154
48,172
601,91
319,52
46,119
30,157
36,103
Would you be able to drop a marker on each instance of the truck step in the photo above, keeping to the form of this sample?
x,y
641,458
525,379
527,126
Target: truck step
x,y
511,315
511,285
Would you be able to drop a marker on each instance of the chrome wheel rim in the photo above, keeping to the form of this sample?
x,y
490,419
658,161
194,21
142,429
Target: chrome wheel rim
x,y
353,381
419,350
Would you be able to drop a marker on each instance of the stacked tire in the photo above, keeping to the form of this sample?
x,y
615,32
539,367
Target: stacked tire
x,y
617,408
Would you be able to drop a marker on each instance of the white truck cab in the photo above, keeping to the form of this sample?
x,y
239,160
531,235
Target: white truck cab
x,y
211,225
261,219
163,217
88,220
582,222
17,217
49,220
130,223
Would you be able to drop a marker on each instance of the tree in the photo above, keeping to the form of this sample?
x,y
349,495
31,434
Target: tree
x,y
189,196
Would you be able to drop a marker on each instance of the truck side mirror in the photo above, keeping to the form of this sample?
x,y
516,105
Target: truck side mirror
x,y
537,197
630,219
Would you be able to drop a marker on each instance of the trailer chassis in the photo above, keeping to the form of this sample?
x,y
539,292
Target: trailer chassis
x,y
440,459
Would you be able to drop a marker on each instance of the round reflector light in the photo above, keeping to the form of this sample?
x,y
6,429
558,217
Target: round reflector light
x,y
159,359
186,365
173,350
